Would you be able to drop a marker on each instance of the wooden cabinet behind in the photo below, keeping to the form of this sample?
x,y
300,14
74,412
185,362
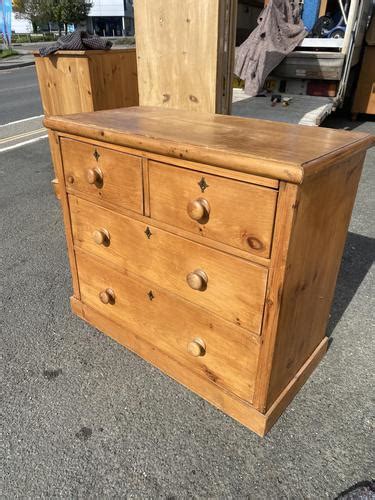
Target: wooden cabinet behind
x,y
87,80
364,99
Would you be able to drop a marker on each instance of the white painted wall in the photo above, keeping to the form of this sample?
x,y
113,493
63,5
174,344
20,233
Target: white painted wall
x,y
107,8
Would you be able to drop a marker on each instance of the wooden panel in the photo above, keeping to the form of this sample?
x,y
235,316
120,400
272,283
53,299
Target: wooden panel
x,y
54,145
177,52
230,357
114,79
241,214
235,288
286,209
122,182
276,150
314,255
64,84
78,82
364,100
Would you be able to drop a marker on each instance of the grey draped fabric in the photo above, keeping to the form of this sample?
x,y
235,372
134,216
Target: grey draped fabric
x,y
279,31
78,40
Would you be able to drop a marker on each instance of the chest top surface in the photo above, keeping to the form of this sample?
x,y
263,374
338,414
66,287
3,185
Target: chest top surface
x,y
273,149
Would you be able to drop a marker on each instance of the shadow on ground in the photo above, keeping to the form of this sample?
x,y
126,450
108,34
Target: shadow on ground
x,y
358,258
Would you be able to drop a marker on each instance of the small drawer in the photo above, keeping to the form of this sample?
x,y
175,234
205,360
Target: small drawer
x,y
205,344
103,174
231,287
232,212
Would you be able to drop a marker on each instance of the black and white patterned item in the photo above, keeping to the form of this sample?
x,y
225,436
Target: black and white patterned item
x,y
78,40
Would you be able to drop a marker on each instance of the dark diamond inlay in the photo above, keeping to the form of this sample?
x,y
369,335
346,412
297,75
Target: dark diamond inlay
x,y
151,296
148,232
96,155
203,184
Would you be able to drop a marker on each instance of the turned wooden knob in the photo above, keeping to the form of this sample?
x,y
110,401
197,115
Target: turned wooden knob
x,y
198,209
101,236
94,176
196,348
197,280
107,296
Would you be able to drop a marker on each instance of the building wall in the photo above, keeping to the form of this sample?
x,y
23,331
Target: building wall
x,y
21,25
107,8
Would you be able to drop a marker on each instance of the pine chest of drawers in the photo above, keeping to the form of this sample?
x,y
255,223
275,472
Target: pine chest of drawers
x,y
207,244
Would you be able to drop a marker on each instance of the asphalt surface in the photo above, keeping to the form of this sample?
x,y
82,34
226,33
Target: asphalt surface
x,y
85,418
19,94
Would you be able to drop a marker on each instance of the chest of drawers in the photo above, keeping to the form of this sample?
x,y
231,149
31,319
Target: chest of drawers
x,y
209,245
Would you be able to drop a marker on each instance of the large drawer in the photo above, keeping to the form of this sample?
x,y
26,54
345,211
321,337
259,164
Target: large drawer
x,y
103,174
233,212
223,353
235,288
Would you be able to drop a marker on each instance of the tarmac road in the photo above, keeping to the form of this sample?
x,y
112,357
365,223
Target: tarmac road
x,y
19,94
85,418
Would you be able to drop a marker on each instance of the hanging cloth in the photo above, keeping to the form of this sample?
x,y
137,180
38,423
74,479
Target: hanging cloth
x,y
279,31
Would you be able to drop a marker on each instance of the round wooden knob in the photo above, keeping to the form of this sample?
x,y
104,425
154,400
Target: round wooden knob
x,y
196,348
197,280
94,176
198,209
101,236
107,296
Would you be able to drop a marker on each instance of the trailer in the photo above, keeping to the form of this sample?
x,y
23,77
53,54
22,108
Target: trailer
x,y
318,66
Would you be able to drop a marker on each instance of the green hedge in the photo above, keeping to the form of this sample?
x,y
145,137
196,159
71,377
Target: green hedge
x,y
32,38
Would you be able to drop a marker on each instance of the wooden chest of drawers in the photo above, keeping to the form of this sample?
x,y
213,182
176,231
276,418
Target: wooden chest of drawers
x,y
208,244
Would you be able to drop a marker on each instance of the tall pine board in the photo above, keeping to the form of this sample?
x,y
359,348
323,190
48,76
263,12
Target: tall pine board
x,y
185,52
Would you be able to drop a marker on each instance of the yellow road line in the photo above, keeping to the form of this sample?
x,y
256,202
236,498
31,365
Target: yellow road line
x,y
20,136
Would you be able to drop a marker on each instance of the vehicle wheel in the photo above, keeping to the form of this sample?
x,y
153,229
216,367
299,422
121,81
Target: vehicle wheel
x,y
337,33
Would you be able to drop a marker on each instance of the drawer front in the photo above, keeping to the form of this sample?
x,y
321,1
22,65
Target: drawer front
x,y
233,212
213,348
229,286
103,174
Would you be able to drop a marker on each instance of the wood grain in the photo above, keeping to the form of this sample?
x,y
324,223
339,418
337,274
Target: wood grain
x,y
230,358
277,150
114,79
180,232
83,81
235,288
241,214
54,144
286,209
221,172
364,98
122,174
314,256
179,55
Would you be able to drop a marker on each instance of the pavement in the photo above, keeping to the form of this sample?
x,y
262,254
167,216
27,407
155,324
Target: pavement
x,y
21,60
19,95
85,418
